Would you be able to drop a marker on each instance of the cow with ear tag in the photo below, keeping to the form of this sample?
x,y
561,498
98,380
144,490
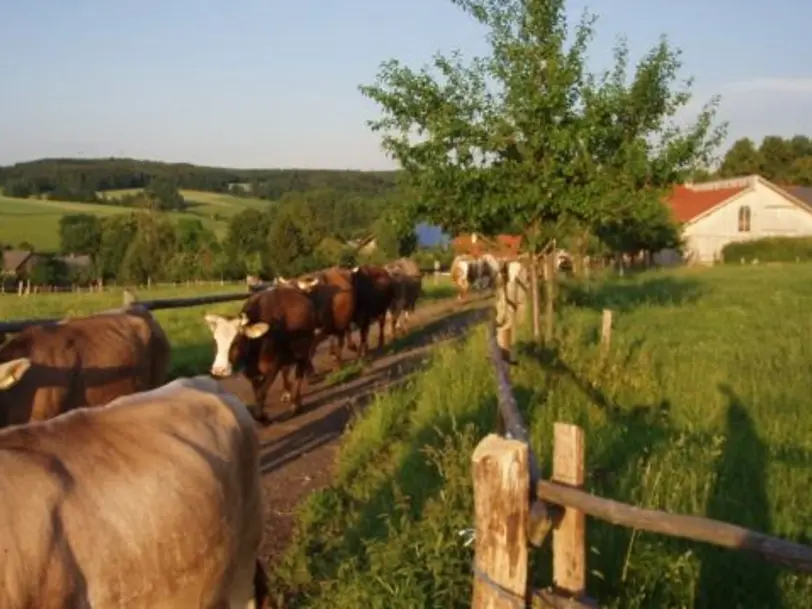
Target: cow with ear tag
x,y
276,330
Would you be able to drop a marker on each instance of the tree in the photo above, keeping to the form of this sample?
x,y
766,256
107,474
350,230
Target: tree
x,y
150,250
80,234
293,239
117,233
48,271
525,136
776,157
163,195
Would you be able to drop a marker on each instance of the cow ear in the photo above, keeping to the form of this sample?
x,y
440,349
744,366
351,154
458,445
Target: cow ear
x,y
256,330
212,321
11,372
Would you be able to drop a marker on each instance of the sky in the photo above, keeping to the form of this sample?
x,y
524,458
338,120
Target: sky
x,y
265,83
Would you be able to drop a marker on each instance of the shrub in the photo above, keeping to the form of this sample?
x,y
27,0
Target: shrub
x,y
769,249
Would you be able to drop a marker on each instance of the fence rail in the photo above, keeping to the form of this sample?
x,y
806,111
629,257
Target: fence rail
x,y
515,508
11,327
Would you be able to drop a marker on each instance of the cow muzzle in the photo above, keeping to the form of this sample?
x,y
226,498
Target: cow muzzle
x,y
221,371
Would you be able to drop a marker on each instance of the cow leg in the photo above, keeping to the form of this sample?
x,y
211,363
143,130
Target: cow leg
x,y
285,385
381,327
296,399
364,332
263,384
249,589
336,347
262,594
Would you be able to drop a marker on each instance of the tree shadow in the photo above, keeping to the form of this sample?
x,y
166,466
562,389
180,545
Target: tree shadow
x,y
625,296
739,495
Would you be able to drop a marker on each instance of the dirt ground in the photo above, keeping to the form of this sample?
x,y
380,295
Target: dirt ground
x,y
298,452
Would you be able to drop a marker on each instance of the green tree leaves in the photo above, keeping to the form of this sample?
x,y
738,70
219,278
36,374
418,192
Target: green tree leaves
x,y
528,137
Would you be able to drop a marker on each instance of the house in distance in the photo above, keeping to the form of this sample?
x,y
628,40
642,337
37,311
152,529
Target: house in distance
x,y
716,213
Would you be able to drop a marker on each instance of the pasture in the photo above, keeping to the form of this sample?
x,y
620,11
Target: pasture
x,y
37,220
701,408
204,203
191,342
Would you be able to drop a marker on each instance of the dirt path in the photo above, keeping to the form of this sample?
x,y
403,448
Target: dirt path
x,y
298,452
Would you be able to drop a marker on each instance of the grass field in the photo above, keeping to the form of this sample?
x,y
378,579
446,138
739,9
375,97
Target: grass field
x,y
37,220
191,342
204,203
702,408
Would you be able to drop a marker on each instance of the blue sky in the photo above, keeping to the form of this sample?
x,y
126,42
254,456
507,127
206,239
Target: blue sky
x,y
250,83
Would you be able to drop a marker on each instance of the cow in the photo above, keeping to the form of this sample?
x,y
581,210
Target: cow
x,y
153,500
46,370
469,271
374,291
333,296
408,284
276,330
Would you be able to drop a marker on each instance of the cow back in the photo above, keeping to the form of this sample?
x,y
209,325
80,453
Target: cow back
x,y
84,362
152,501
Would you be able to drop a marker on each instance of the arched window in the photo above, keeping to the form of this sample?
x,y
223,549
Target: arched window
x,y
744,219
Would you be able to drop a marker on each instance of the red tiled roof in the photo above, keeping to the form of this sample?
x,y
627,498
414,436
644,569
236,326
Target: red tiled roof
x,y
687,204
505,244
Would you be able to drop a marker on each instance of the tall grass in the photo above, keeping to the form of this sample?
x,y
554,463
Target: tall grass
x,y
701,408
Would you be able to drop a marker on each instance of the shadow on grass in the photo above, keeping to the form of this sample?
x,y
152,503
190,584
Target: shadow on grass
x,y
644,428
628,295
740,492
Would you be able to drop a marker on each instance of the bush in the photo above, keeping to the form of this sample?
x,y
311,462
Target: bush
x,y
769,249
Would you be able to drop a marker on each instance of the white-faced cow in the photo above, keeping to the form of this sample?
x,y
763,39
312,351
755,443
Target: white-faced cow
x,y
152,501
85,361
275,331
473,272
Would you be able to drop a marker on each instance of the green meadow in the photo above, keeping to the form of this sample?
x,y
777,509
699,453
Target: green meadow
x,y
37,220
702,407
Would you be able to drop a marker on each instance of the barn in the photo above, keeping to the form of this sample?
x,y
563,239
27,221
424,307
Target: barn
x,y
716,213
476,244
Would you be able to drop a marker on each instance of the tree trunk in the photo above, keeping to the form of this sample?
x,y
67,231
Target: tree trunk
x,y
534,295
549,300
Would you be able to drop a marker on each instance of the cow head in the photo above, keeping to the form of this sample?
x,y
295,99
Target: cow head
x,y
230,339
11,372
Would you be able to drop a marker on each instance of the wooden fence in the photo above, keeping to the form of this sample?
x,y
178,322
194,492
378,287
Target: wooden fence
x,y
10,327
515,508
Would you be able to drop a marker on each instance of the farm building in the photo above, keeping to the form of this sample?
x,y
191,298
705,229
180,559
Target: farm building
x,y
476,244
18,264
716,213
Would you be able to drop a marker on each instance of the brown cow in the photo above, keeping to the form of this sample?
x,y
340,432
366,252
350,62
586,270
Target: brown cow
x,y
332,294
374,291
408,284
275,330
152,501
84,361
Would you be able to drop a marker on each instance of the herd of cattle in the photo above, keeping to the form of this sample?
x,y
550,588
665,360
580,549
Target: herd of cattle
x,y
122,490
154,500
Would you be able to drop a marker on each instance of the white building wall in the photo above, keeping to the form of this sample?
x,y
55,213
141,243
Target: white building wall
x,y
771,215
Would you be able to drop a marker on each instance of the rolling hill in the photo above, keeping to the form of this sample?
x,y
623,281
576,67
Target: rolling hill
x,y
36,221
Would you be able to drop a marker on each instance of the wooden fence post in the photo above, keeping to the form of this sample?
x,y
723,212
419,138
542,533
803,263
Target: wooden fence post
x,y
569,538
501,504
606,331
